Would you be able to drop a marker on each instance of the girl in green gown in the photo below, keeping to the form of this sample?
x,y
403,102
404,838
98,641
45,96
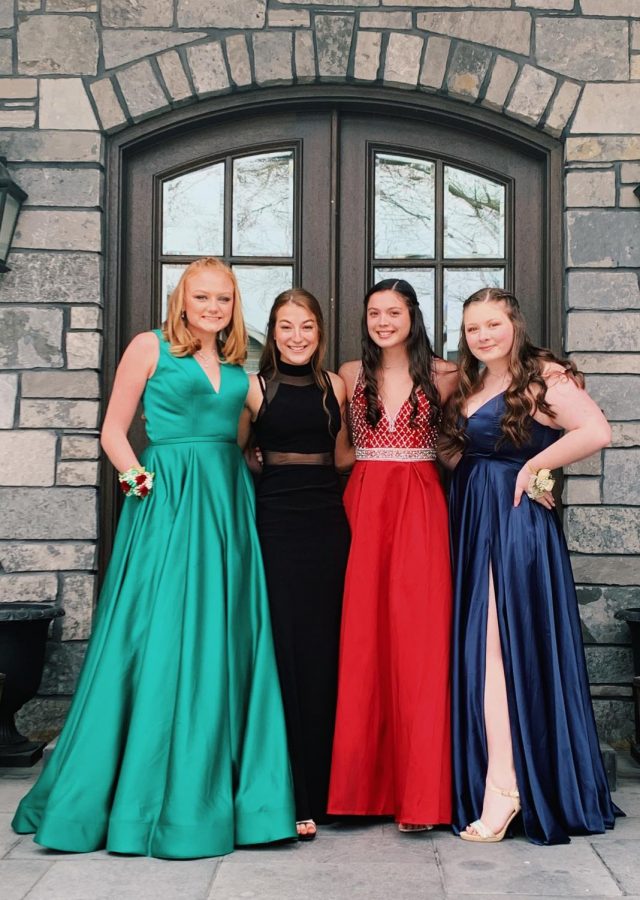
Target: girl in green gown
x,y
175,744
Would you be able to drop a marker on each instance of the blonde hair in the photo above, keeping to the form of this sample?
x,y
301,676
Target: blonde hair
x,y
231,343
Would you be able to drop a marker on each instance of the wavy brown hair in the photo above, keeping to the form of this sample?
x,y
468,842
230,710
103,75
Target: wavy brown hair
x,y
231,343
419,352
527,391
268,365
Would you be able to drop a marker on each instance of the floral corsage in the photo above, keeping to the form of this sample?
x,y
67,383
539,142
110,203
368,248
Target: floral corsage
x,y
539,483
136,481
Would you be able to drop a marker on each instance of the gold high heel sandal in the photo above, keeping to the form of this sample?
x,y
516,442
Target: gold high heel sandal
x,y
485,835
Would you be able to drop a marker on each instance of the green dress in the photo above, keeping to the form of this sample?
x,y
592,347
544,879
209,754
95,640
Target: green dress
x,y
175,743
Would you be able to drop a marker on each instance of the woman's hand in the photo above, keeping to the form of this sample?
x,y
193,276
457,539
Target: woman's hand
x,y
522,486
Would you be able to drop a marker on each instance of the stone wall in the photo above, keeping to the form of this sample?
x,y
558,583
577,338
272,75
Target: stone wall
x,y
74,71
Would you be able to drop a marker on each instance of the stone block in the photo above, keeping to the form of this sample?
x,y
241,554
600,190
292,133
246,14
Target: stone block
x,y
608,109
28,458
616,395
84,385
628,199
598,608
48,186
289,18
393,19
591,188
600,148
57,45
64,104
62,667
43,557
141,90
174,75
452,4
502,78
531,95
634,67
505,30
467,71
107,103
52,278
273,57
52,146
434,66
614,719
121,46
8,394
607,665
625,434
305,56
57,513
621,483
367,61
79,446
77,472
147,13
17,118
84,349
238,59
610,7
43,717
72,5
221,13
6,56
581,491
608,529
546,4
562,107
86,318
58,230
402,63
592,465
611,570
603,238
208,68
333,41
19,89
28,588
603,290
588,49
59,414
7,14
635,35
78,594
608,363
31,337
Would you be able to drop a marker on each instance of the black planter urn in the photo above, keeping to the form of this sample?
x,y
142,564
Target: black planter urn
x,y
23,639
632,617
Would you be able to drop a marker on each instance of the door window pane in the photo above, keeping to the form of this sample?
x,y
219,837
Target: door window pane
x,y
263,205
423,283
259,287
170,278
474,215
404,207
193,213
458,285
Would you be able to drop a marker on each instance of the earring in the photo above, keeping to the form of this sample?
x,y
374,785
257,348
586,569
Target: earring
x,y
183,316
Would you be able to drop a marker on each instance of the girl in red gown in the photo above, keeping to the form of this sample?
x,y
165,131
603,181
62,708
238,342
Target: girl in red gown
x,y
391,751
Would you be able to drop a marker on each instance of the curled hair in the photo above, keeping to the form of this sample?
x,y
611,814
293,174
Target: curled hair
x,y
419,352
527,390
231,344
268,365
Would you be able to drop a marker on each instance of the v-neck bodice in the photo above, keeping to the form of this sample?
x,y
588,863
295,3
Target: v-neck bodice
x,y
181,403
484,435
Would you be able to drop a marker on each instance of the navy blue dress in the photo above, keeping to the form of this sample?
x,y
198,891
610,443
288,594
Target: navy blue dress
x,y
559,769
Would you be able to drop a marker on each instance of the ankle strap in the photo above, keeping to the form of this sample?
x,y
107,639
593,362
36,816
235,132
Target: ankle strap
x,y
515,795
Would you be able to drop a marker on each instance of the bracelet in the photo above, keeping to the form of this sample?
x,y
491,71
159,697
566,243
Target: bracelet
x,y
136,481
539,483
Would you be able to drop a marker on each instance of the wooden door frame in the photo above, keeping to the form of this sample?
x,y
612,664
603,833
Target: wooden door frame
x,y
327,97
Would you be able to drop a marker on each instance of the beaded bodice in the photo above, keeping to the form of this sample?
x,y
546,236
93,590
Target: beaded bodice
x,y
393,438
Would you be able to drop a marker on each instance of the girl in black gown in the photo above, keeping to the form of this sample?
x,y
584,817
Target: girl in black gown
x,y
297,410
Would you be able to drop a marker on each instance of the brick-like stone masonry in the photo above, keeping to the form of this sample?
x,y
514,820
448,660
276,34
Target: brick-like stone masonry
x,y
74,71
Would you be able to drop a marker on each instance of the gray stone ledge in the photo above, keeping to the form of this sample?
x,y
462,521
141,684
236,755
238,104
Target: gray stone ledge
x,y
49,186
52,278
28,588
59,230
32,337
52,146
39,557
55,513
57,45
83,385
505,30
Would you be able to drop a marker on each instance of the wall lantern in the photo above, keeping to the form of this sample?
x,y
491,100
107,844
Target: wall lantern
x,y
11,199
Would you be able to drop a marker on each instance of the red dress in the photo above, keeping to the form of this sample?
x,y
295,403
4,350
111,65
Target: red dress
x,y
391,750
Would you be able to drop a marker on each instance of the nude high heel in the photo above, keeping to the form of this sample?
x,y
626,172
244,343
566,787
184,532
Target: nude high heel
x,y
485,835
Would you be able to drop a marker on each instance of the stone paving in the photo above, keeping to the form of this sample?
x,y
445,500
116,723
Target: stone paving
x,y
369,861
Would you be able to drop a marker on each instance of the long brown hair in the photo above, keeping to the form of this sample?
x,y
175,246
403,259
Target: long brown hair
x,y
419,352
528,389
268,365
231,343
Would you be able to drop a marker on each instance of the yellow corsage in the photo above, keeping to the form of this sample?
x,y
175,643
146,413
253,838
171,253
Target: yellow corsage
x,y
539,483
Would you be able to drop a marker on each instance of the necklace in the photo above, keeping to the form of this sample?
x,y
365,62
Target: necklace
x,y
502,381
205,360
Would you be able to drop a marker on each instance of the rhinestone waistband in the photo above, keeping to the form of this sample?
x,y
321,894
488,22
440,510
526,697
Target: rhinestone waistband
x,y
395,454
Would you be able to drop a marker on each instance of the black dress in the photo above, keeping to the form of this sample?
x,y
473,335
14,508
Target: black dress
x,y
304,535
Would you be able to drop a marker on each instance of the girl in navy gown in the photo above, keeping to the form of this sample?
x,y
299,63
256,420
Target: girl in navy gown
x,y
524,734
